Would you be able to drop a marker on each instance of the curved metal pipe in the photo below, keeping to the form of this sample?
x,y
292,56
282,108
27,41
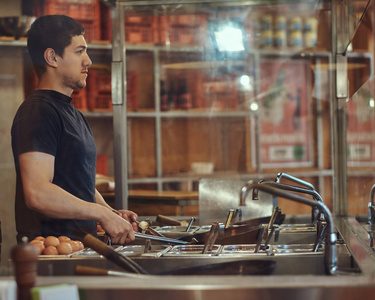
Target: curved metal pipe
x,y
294,179
330,253
293,188
371,209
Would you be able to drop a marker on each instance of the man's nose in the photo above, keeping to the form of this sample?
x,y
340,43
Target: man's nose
x,y
88,61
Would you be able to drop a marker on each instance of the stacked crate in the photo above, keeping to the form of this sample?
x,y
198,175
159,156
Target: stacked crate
x,y
80,99
99,88
182,29
87,12
140,30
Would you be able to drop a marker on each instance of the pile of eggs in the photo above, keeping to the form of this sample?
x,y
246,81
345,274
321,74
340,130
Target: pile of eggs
x,y
52,245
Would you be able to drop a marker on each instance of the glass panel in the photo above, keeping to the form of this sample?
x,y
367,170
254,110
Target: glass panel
x,y
140,81
360,110
198,146
141,148
229,90
352,13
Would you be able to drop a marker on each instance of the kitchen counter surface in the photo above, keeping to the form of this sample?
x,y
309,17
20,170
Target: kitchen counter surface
x,y
353,286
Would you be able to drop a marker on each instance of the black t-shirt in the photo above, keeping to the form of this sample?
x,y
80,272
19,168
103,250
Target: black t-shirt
x,y
47,122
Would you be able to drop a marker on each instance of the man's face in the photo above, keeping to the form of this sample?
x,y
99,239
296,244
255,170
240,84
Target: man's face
x,y
73,65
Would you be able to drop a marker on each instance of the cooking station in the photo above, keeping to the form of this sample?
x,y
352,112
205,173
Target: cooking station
x,y
282,257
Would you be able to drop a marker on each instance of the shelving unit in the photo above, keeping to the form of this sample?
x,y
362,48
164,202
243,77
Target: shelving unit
x,y
165,165
141,156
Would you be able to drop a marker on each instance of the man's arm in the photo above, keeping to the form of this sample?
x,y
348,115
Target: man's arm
x,y
126,214
42,195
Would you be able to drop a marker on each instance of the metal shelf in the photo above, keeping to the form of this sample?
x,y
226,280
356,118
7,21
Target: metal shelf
x,y
188,176
190,114
23,43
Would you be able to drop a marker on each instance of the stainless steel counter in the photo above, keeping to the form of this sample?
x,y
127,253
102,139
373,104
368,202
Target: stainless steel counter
x,y
276,286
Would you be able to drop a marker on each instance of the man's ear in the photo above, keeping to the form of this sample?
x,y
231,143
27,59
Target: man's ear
x,y
50,57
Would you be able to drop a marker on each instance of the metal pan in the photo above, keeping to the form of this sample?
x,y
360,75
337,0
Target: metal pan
x,y
122,261
238,267
243,267
263,220
236,234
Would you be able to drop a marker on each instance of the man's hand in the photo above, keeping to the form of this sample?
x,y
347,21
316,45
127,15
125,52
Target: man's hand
x,y
118,228
129,216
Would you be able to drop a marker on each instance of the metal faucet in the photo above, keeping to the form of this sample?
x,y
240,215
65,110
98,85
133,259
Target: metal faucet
x,y
371,207
320,221
307,185
330,252
294,179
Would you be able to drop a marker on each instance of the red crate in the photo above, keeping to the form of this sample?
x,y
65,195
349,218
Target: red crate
x,y
80,99
139,34
162,35
105,23
90,10
92,31
186,20
101,101
183,35
169,32
139,20
101,164
104,82
99,80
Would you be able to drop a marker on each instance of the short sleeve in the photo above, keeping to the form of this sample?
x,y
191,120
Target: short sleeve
x,y
36,127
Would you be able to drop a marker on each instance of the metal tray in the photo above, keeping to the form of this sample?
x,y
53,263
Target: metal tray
x,y
192,250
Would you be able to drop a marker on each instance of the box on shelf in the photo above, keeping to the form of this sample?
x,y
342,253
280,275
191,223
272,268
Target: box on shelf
x,y
101,101
184,20
184,35
82,10
101,164
139,20
99,79
135,33
105,23
92,31
80,99
88,13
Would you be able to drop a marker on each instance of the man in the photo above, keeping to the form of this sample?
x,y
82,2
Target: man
x,y
53,147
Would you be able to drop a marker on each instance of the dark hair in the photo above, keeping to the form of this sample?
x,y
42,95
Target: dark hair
x,y
51,31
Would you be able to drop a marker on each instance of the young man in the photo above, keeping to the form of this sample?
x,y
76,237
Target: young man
x,y
53,147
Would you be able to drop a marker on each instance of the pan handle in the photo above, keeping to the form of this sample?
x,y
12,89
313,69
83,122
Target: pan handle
x,y
85,270
121,260
92,271
167,220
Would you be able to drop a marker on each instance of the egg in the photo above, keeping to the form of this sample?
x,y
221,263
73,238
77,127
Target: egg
x,y
51,241
40,238
38,244
64,248
63,238
50,250
81,246
75,245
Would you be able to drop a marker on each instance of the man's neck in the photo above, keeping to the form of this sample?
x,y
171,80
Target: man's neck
x,y
48,83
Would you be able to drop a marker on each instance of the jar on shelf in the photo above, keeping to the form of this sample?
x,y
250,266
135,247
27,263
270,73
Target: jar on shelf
x,y
183,96
163,96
